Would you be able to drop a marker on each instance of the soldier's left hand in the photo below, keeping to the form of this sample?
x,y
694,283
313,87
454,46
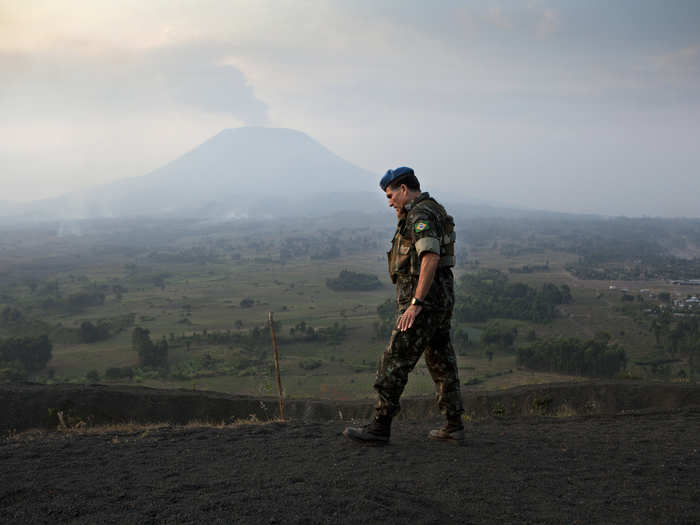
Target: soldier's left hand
x,y
408,317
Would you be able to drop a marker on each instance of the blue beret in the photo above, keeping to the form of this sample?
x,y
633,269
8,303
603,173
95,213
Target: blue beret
x,y
393,176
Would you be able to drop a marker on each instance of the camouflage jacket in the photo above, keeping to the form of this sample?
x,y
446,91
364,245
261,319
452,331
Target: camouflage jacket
x,y
426,228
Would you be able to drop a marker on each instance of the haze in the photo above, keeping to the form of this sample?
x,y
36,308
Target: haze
x,y
552,105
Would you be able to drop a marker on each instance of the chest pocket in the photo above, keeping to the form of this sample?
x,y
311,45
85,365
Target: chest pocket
x,y
401,257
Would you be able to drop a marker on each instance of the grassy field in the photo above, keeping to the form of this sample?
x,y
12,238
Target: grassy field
x,y
206,296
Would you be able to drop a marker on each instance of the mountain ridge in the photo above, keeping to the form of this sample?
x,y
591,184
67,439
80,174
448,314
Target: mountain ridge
x,y
239,172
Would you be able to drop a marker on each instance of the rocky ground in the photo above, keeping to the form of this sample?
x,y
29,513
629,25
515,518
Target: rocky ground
x,y
635,468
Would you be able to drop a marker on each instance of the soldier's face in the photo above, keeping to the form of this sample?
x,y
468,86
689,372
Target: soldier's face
x,y
397,197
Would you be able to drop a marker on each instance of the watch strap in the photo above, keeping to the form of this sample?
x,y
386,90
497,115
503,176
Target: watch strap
x,y
417,302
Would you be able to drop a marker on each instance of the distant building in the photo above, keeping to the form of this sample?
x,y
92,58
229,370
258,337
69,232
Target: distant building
x,y
687,282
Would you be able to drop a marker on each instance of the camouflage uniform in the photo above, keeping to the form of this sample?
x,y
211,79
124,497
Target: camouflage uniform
x,y
426,228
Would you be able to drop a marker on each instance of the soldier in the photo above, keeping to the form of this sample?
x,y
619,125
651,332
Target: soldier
x,y
420,262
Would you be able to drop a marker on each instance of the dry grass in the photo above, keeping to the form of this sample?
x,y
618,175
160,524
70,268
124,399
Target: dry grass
x,y
132,428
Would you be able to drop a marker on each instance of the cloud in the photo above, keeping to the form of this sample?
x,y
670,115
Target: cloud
x,y
81,115
516,94
682,62
117,81
548,23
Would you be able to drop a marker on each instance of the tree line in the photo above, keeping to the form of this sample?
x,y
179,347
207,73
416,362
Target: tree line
x,y
679,336
597,357
353,281
22,356
488,294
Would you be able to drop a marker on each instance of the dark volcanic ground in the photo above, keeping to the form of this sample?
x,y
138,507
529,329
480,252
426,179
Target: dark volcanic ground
x,y
641,468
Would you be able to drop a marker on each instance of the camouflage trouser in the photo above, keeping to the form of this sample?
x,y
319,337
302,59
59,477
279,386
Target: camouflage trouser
x,y
430,333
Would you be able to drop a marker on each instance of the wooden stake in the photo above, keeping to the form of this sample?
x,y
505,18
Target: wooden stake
x,y
277,365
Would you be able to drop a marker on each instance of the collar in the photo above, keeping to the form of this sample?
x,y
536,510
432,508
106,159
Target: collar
x,y
419,198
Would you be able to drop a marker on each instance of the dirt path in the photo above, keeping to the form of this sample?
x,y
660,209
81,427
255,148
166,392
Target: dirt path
x,y
600,469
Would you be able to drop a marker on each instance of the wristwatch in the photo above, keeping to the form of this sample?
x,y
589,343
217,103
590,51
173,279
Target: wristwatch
x,y
417,302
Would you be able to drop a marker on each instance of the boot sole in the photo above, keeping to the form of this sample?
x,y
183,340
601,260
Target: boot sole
x,y
447,439
368,442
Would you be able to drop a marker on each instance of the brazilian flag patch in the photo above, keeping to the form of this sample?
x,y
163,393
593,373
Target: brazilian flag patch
x,y
421,227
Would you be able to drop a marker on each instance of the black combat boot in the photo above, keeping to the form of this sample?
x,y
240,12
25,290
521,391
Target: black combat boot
x,y
452,432
377,432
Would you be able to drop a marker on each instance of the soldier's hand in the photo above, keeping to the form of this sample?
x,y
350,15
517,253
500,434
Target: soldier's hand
x,y
408,317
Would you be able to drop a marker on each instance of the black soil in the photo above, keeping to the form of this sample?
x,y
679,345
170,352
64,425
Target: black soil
x,y
635,468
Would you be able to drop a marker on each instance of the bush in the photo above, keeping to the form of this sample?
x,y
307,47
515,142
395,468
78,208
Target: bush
x,y
10,315
333,335
32,353
150,354
115,373
387,313
12,371
310,364
352,281
81,300
189,369
91,333
460,341
500,335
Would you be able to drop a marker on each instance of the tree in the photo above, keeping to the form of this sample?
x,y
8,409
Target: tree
x,y
566,297
150,354
31,353
657,329
460,340
114,373
91,333
487,294
84,299
10,315
387,318
684,337
353,281
598,357
497,334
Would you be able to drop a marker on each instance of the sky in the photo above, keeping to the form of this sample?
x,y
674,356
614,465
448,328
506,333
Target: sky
x,y
586,107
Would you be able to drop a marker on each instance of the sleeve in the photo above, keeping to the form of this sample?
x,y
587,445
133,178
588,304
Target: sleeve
x,y
424,230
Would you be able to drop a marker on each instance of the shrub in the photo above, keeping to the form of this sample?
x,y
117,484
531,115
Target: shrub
x,y
310,364
150,353
353,281
114,373
91,333
32,353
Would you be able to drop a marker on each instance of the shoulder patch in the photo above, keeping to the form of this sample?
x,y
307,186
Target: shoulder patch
x,y
421,226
